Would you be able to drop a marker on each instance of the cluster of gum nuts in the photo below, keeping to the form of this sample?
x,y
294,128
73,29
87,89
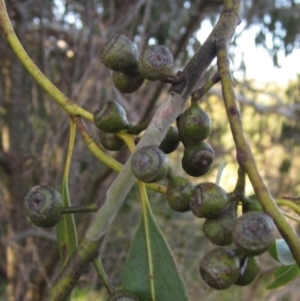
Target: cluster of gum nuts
x,y
245,237
252,233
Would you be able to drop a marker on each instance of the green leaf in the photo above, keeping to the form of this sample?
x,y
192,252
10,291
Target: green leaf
x,y
280,251
150,271
65,229
284,275
220,172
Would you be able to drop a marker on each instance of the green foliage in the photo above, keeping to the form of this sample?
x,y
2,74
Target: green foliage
x,y
66,230
150,271
284,275
289,270
280,251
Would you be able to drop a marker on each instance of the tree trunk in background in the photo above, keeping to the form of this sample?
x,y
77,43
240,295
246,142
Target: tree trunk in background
x,y
26,280
15,182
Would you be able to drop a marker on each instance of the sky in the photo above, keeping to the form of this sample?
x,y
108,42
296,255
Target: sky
x,y
257,60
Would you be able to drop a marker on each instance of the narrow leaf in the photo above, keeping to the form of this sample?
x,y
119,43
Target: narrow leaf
x,y
280,251
284,275
220,172
66,230
150,271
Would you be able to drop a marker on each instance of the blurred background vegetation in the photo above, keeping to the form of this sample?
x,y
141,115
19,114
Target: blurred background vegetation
x,y
64,39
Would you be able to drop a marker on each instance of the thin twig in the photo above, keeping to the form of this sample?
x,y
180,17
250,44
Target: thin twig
x,y
244,154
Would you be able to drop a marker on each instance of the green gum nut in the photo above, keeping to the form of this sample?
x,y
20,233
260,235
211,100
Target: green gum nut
x,y
219,231
110,117
251,203
111,142
197,158
253,233
194,124
149,164
209,200
178,193
43,205
170,141
156,63
119,54
220,268
127,82
250,268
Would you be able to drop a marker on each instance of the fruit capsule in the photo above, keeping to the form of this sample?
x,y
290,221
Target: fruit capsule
x,y
178,193
43,205
249,270
253,233
197,159
194,124
219,231
127,82
119,54
170,141
110,117
149,164
155,62
251,203
220,268
208,200
111,142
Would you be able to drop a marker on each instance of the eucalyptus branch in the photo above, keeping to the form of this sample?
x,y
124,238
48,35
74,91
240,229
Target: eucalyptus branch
x,y
115,196
208,51
291,198
99,153
289,204
290,216
244,154
154,134
198,94
174,80
94,147
138,128
64,283
161,122
239,189
79,209
100,270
